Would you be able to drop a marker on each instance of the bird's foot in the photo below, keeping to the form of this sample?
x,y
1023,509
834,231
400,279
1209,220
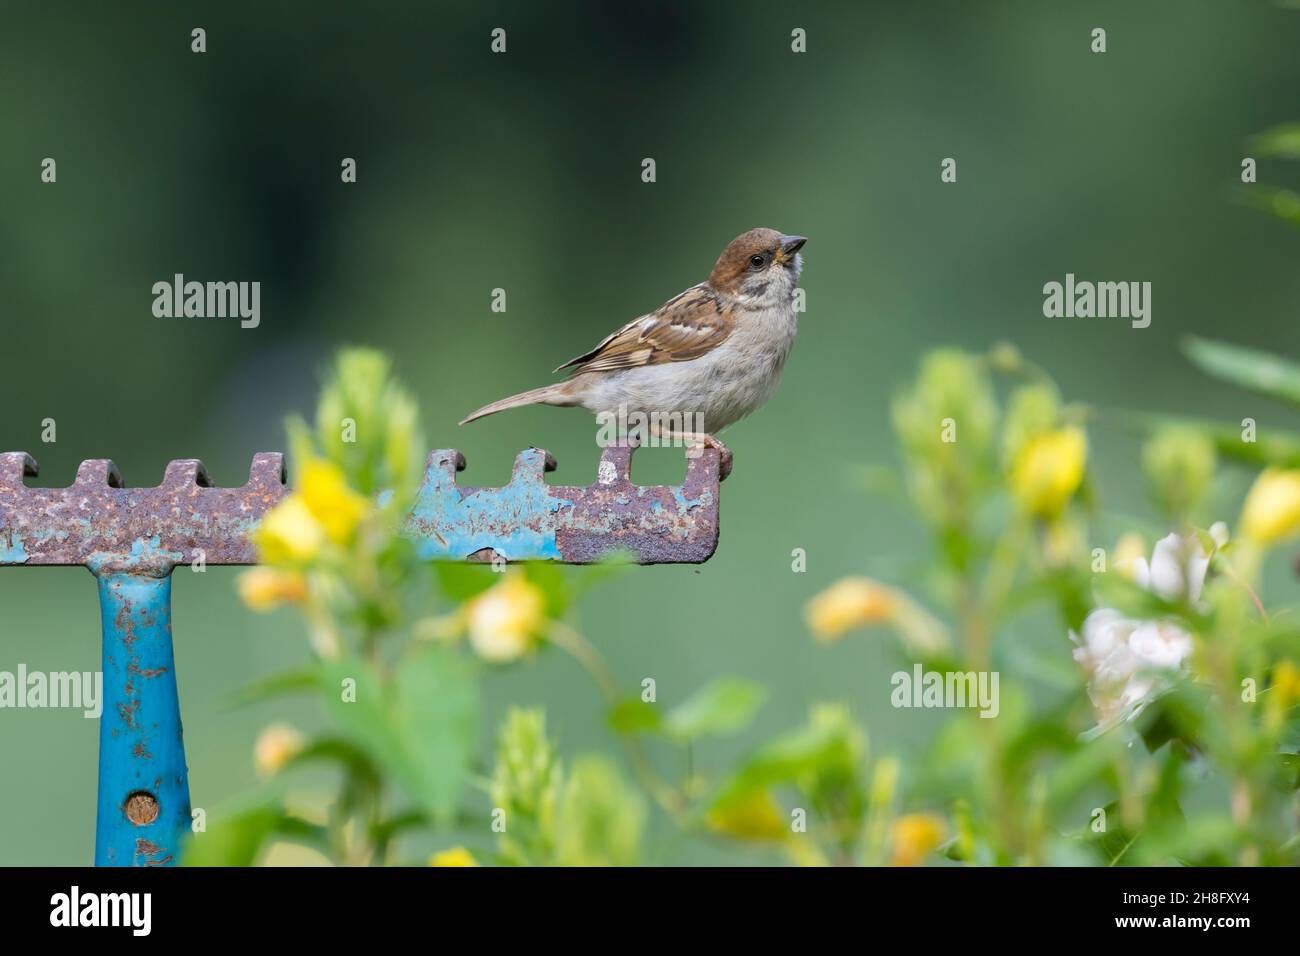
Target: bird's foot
x,y
699,441
695,443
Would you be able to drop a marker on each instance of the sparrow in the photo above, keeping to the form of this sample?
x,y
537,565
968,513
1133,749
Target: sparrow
x,y
708,356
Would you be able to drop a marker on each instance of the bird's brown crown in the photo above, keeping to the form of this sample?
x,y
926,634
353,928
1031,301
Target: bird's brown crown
x,y
733,264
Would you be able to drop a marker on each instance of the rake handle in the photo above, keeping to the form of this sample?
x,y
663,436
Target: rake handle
x,y
144,792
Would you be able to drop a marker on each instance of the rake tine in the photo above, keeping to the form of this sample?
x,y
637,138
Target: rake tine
x,y
185,473
14,467
96,472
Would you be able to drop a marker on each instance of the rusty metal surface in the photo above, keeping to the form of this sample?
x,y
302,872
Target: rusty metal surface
x,y
531,520
97,522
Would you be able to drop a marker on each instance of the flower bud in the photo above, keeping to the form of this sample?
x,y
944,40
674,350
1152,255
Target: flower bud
x,y
1272,509
848,604
264,588
914,837
1179,463
456,856
1048,471
275,747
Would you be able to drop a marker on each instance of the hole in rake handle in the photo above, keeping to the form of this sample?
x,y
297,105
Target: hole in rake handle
x,y
141,807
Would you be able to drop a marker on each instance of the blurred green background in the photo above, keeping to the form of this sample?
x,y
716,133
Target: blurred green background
x,y
522,171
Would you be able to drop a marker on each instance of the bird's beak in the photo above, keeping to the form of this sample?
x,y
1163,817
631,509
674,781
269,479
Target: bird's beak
x,y
789,246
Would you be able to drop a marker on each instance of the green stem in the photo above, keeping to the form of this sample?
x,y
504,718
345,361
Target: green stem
x,y
569,640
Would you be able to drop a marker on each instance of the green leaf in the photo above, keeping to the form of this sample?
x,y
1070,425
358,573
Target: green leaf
x,y
797,755
385,830
1177,714
422,727
633,715
1205,540
356,698
1250,369
1082,768
1271,446
287,682
233,839
723,706
1273,200
1288,773
1207,839
437,723
1281,141
461,580
336,750
612,565
1115,841
550,580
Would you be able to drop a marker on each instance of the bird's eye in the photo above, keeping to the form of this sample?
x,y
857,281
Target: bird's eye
x,y
757,262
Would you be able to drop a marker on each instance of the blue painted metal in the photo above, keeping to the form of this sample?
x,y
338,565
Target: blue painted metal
x,y
144,793
132,538
529,520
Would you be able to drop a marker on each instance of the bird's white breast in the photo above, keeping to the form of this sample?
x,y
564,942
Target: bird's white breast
x,y
722,386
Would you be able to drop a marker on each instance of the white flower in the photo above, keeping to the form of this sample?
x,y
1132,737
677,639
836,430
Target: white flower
x,y
1160,644
504,621
1176,571
1123,658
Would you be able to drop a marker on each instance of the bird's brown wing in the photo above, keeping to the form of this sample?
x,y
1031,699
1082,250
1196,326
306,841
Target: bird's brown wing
x,y
683,328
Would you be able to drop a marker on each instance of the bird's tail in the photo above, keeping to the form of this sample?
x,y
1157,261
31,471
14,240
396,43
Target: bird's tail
x,y
557,394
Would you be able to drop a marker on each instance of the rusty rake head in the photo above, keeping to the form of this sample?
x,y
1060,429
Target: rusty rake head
x,y
97,522
531,520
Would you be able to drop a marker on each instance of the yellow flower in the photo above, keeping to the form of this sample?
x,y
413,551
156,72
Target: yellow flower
x,y
1286,684
326,494
849,603
1284,693
913,837
289,533
754,816
804,853
262,589
503,621
1272,509
275,747
1048,470
456,856
1129,550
